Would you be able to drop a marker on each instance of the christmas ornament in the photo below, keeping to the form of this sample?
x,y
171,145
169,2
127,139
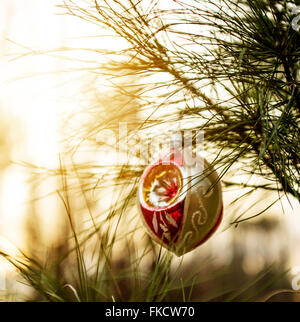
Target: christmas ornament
x,y
180,204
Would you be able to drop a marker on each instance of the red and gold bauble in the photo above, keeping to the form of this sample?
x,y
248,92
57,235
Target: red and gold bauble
x,y
180,204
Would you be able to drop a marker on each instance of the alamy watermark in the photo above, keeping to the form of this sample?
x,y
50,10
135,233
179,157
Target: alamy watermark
x,y
123,147
296,11
296,278
3,286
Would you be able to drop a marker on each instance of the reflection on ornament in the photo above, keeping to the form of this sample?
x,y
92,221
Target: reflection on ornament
x,y
204,188
162,185
180,213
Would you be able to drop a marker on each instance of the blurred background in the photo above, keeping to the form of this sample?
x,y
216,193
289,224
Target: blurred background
x,y
45,93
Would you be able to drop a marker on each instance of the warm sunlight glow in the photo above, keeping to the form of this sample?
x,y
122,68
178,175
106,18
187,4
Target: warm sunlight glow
x,y
49,75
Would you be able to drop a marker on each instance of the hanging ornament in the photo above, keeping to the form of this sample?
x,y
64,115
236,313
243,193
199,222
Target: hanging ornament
x,y
180,204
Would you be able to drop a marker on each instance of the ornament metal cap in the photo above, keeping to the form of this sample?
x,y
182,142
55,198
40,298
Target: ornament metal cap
x,y
180,204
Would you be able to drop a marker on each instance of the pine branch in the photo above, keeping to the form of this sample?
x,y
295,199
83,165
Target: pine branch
x,y
244,53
